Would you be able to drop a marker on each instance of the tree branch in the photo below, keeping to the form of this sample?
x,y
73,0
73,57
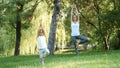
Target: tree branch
x,y
13,25
88,21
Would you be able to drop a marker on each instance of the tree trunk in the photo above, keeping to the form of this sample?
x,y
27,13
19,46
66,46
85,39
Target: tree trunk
x,y
118,33
106,42
97,9
85,34
116,7
18,35
18,29
53,26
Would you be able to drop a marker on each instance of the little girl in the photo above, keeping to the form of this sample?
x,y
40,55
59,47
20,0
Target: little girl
x,y
42,46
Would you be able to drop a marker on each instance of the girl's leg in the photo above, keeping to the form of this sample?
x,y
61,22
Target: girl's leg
x,y
42,60
83,39
41,54
74,42
44,52
47,52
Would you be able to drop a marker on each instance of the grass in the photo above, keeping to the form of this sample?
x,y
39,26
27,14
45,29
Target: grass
x,y
93,59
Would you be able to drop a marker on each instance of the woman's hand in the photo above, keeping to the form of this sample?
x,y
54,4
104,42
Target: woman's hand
x,y
73,6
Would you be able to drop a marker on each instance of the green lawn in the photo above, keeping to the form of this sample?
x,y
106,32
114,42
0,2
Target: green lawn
x,y
98,59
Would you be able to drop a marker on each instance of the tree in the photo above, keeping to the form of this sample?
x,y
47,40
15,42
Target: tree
x,y
53,26
18,27
20,6
14,14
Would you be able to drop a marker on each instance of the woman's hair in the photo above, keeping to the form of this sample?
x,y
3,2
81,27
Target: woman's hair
x,y
75,16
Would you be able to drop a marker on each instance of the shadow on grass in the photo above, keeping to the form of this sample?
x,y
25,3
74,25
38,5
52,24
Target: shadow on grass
x,y
31,61
16,61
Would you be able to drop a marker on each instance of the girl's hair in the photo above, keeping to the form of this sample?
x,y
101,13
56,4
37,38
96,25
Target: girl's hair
x,y
41,31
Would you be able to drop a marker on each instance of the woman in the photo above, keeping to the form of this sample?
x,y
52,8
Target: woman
x,y
42,46
75,28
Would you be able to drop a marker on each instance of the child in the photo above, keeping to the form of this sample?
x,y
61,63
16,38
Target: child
x,y
42,46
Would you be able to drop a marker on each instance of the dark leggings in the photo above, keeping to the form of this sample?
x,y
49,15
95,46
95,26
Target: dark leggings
x,y
82,38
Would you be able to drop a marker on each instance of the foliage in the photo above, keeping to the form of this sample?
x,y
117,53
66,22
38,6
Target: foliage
x,y
100,18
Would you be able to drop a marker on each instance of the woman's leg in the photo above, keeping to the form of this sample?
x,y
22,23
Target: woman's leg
x,y
74,42
83,39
